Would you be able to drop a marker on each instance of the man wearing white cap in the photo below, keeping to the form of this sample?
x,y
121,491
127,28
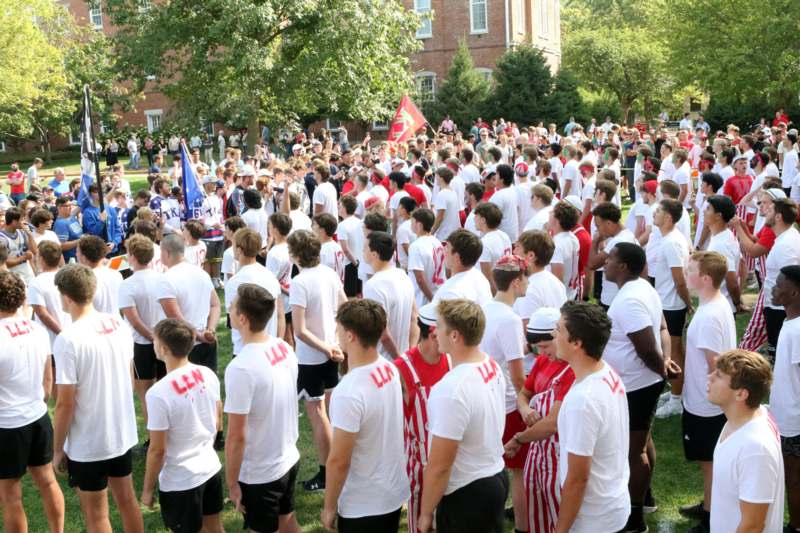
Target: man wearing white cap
x,y
420,368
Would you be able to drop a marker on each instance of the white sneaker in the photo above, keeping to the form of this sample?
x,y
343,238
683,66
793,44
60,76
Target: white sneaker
x,y
671,407
664,397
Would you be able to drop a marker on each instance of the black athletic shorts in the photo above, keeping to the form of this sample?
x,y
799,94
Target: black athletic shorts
x,y
204,354
642,405
675,321
388,523
266,502
597,288
314,380
352,283
773,322
790,445
214,250
700,435
145,363
184,510
30,445
93,476
474,508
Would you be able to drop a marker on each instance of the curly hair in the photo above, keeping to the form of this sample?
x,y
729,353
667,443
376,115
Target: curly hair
x,y
12,292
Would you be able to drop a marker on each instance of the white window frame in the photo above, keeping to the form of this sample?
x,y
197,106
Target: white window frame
x,y
478,4
425,30
150,114
544,18
418,77
96,11
485,72
74,136
380,125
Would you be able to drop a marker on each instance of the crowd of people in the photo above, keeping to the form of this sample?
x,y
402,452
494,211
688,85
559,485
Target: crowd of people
x,y
463,317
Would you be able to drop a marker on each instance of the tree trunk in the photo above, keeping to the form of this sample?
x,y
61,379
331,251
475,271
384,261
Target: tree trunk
x,y
253,133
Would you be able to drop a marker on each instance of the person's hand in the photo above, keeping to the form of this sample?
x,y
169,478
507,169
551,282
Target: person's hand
x,y
425,523
60,462
734,223
672,368
109,246
104,216
328,519
235,496
742,308
689,310
28,255
511,448
207,336
147,499
335,353
529,415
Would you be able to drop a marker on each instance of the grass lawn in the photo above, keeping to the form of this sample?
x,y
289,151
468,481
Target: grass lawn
x,y
675,483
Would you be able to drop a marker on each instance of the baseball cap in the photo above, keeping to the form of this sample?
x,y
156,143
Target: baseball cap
x,y
220,184
651,186
775,193
371,201
247,170
586,163
264,172
427,314
575,202
521,168
297,147
543,321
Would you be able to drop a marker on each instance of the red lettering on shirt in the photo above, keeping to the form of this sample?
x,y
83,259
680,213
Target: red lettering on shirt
x,y
107,325
276,354
382,375
614,383
488,371
190,380
15,329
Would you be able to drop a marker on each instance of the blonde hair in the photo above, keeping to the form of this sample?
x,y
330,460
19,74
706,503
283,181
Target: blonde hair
x,y
749,371
712,264
465,317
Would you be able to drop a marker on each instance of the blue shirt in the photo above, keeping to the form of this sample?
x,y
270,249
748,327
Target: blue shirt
x,y
68,229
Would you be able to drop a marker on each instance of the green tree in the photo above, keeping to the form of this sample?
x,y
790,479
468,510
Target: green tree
x,y
43,102
565,101
463,93
522,86
269,60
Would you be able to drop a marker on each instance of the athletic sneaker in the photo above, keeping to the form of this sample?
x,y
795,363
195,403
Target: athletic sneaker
x,y
671,407
692,511
664,397
509,514
316,483
650,506
219,442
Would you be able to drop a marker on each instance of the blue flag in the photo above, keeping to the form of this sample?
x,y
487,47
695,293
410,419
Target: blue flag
x,y
193,194
88,151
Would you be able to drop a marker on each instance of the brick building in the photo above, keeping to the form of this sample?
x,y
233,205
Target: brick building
x,y
490,27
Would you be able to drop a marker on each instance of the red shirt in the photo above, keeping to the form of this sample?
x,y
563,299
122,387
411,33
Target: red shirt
x,y
488,194
542,374
427,373
585,241
781,119
415,193
737,187
348,187
766,237
20,187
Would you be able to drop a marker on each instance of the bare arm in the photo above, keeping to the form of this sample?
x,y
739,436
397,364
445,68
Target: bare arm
x,y
644,342
419,275
438,221
557,269
234,454
435,477
303,333
336,469
573,490
65,410
132,316
754,517
680,286
47,380
486,269
171,308
732,284
156,455
49,321
346,252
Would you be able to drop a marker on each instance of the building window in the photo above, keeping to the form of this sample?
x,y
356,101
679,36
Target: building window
x,y
96,15
544,18
380,125
478,16
423,9
74,136
485,72
426,86
153,119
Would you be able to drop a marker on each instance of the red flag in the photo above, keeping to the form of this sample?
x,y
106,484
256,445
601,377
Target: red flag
x,y
407,120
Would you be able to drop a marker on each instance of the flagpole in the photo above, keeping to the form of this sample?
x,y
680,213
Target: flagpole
x,y
95,154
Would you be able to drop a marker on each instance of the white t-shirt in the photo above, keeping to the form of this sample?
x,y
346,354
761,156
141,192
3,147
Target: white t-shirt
x,y
426,254
567,253
556,168
191,287
593,422
369,402
725,243
496,244
504,341
24,352
506,199
446,199
469,224
184,404
785,251
712,328
325,195
636,307
257,220
468,405
331,255
544,290
785,390
610,289
195,254
540,219
280,264
405,235
572,173
394,200
261,382
95,354
683,176
106,296
673,251
257,275
229,263
524,205
316,289
140,290
351,232
684,225
748,467
392,289
470,284
48,235
42,291
299,221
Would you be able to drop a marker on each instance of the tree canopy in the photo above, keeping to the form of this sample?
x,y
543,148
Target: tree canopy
x,y
463,93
